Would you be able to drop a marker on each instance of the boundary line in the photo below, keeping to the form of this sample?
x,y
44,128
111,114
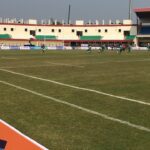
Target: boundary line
x,y
31,66
62,64
79,88
123,61
104,116
8,58
24,136
48,64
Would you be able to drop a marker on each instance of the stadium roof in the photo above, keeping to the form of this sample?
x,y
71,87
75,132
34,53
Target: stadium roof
x,y
143,14
141,10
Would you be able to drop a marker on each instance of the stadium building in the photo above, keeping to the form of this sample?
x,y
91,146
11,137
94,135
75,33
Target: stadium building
x,y
143,26
21,32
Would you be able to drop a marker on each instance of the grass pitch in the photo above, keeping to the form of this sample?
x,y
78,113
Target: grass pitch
x,y
61,127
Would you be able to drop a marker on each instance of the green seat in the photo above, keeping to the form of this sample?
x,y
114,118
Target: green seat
x,y
45,37
5,36
130,37
90,37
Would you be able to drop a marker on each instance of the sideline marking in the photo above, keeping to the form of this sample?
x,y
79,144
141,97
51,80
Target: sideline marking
x,y
80,108
30,66
48,64
118,61
62,64
8,57
79,88
123,61
17,140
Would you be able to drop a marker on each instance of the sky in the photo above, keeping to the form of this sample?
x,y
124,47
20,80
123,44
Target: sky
x,y
80,9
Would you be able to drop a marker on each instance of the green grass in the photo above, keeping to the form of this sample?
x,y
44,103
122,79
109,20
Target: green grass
x,y
61,127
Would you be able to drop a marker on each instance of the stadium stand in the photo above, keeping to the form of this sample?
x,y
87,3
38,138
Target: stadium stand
x,y
145,30
143,26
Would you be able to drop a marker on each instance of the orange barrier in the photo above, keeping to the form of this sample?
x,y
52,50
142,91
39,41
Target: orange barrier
x,y
12,139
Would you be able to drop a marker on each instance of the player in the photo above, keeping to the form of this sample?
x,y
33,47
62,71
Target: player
x,y
121,48
101,49
148,47
89,49
129,48
43,48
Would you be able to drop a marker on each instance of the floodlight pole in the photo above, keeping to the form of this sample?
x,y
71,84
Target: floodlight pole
x,y
69,14
130,9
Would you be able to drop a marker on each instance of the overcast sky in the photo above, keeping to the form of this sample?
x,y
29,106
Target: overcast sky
x,y
58,9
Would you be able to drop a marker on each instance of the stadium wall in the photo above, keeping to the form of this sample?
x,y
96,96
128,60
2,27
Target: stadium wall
x,y
66,32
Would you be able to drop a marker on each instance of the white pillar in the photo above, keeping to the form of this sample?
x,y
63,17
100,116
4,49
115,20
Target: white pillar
x,y
55,22
97,22
103,22
89,22
110,22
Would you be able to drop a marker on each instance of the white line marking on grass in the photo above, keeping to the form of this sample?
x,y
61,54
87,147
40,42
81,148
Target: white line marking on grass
x,y
104,116
42,65
30,66
8,58
117,61
122,61
79,88
62,64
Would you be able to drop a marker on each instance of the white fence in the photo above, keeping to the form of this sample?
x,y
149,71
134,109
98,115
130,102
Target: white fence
x,y
4,47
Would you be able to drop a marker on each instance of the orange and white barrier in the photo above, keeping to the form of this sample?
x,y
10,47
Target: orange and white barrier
x,y
12,139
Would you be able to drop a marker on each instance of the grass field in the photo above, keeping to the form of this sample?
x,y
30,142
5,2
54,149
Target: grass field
x,y
73,100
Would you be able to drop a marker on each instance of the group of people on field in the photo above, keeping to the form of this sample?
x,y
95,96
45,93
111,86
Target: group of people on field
x,y
124,47
120,48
